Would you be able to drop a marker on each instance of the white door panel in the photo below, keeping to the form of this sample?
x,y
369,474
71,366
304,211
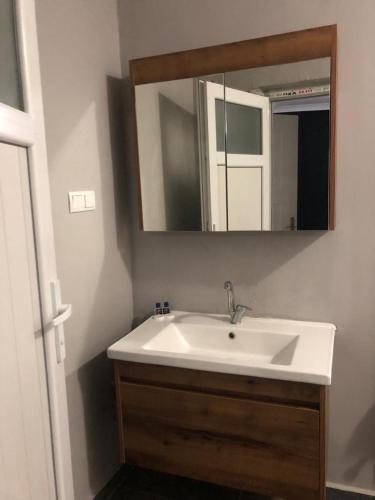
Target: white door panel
x,y
24,447
244,199
245,160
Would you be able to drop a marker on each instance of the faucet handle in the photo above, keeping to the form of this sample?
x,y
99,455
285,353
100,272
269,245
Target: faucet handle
x,y
243,308
238,312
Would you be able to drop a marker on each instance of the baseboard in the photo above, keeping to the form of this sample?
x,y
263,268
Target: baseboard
x,y
112,486
351,489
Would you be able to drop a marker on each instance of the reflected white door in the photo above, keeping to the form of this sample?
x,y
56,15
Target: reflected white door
x,y
248,146
244,118
25,445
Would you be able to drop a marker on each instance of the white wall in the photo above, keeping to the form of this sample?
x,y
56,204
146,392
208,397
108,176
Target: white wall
x,y
319,276
80,66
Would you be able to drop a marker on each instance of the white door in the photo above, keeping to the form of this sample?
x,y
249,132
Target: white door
x,y
248,146
25,447
245,120
35,461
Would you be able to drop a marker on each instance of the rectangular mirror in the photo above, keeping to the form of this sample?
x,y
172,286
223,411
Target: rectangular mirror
x,y
242,150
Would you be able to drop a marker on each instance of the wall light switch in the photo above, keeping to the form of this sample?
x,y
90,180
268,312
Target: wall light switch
x,y
90,200
81,201
77,202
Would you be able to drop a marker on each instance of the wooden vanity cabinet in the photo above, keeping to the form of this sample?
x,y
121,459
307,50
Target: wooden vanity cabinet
x,y
261,435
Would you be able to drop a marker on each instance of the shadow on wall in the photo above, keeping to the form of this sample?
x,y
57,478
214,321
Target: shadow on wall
x,y
92,384
96,377
131,155
121,168
95,382
362,445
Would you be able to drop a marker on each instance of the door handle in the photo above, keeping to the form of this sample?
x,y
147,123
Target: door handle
x,y
65,311
62,312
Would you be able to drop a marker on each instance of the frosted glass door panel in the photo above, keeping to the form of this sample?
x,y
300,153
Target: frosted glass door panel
x,y
244,129
10,87
220,125
244,199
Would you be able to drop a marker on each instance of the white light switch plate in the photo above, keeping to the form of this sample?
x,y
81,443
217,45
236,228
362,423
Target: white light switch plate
x,y
81,201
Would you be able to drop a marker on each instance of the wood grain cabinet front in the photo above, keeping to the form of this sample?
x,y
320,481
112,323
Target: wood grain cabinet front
x,y
258,435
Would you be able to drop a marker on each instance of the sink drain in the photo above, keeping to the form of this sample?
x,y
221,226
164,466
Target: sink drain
x,y
231,335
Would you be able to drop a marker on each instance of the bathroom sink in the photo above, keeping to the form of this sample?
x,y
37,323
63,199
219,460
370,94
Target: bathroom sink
x,y
253,346
265,347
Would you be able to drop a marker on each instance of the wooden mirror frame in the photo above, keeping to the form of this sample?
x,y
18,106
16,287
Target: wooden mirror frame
x,y
272,50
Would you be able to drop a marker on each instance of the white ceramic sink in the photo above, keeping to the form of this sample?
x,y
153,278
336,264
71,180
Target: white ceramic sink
x,y
225,343
265,347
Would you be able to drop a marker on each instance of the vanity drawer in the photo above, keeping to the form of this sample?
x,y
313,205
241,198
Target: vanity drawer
x,y
237,442
295,393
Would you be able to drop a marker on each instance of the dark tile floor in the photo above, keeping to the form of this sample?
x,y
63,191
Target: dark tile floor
x,y
134,483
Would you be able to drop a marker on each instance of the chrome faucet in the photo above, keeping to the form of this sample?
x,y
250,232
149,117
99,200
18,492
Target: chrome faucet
x,y
236,311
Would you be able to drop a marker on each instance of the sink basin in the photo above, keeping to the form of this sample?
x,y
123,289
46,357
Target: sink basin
x,y
265,347
253,346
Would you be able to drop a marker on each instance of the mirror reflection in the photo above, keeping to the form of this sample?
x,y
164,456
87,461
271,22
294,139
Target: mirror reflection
x,y
170,122
241,151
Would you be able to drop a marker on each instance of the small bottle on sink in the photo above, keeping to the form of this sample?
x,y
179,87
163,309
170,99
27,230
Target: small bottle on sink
x,y
162,311
158,310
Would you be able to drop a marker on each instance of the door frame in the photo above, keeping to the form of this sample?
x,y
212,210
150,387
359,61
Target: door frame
x,y
215,160
27,129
